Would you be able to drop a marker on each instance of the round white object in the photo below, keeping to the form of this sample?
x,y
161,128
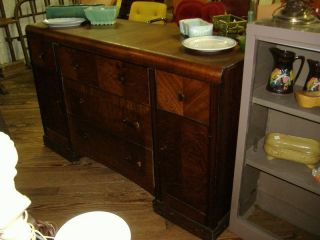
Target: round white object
x,y
94,225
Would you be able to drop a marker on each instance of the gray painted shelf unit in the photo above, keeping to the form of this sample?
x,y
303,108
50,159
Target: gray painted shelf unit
x,y
274,199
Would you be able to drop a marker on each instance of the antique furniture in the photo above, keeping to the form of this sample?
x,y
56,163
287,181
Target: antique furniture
x,y
276,199
131,97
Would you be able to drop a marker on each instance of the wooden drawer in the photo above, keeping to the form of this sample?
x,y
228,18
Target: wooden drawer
x,y
121,117
41,53
123,79
77,65
130,160
183,96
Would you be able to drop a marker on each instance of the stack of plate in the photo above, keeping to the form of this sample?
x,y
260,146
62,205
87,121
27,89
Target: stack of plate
x,y
63,22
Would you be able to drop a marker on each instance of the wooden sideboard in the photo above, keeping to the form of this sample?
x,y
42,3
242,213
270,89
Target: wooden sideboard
x,y
131,97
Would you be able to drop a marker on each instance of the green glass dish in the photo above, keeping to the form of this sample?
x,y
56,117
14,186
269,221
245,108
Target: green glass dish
x,y
229,25
105,15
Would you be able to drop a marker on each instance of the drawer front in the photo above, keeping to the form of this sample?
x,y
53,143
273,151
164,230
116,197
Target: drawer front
x,y
123,79
121,117
128,159
77,65
183,96
41,53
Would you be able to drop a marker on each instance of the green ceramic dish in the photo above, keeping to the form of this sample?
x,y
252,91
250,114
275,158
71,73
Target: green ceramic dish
x,y
229,25
105,15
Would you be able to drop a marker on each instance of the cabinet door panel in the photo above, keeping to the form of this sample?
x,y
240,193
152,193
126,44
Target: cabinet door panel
x,y
183,96
131,160
119,116
51,101
183,159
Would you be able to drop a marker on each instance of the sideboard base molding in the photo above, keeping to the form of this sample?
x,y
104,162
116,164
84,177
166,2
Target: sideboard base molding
x,y
188,224
64,151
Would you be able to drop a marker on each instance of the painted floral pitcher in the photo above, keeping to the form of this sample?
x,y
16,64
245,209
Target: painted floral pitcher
x,y
312,84
281,79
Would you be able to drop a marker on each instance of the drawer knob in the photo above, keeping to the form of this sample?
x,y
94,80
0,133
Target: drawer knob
x,y
132,124
181,97
139,163
163,148
76,66
41,56
84,135
121,79
81,100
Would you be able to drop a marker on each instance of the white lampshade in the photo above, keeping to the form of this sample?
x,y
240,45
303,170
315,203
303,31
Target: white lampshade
x,y
95,225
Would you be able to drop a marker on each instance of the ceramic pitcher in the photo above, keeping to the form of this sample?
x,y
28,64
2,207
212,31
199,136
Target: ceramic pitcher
x,y
312,84
281,78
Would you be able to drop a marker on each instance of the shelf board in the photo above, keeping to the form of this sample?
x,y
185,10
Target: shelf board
x,y
284,103
275,226
292,172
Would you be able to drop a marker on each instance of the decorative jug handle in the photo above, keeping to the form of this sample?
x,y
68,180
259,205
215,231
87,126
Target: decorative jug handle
x,y
302,58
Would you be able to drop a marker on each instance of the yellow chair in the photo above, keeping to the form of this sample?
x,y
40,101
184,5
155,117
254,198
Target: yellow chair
x,y
149,12
118,5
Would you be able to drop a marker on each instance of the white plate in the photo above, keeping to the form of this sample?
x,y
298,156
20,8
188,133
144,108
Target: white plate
x,y
209,43
63,22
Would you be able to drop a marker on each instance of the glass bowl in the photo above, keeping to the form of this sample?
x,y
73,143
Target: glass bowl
x,y
102,15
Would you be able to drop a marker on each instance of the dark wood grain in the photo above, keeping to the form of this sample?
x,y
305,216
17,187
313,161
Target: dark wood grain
x,y
129,159
117,115
183,96
49,92
59,189
160,46
41,52
174,125
183,163
124,79
224,140
77,65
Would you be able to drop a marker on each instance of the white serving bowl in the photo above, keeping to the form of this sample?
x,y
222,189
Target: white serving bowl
x,y
195,27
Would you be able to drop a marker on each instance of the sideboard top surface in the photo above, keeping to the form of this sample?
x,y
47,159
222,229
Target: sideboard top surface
x,y
148,44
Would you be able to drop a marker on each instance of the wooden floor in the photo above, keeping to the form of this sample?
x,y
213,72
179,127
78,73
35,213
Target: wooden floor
x,y
60,190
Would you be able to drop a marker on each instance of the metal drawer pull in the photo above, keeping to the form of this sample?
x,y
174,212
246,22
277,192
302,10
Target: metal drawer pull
x,y
81,100
181,97
121,79
139,163
133,124
41,55
163,148
84,135
76,66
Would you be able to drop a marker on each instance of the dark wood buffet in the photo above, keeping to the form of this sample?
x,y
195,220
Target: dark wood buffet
x,y
131,97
